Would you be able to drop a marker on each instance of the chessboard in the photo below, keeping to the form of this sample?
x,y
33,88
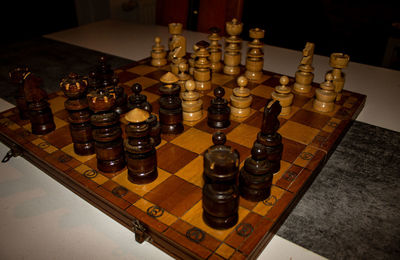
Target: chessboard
x,y
167,212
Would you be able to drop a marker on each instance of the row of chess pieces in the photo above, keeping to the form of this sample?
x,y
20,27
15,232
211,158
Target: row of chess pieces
x,y
207,58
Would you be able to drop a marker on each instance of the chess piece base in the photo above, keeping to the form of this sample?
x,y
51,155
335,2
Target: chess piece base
x,y
84,149
172,129
111,165
229,70
220,223
324,107
240,112
192,116
253,75
301,89
143,178
203,85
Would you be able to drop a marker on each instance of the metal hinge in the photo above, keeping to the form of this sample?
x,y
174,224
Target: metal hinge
x,y
14,152
140,232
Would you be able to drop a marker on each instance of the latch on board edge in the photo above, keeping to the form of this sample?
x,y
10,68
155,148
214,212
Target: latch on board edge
x,y
14,152
140,232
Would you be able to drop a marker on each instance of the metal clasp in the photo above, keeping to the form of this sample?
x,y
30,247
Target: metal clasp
x,y
140,232
14,152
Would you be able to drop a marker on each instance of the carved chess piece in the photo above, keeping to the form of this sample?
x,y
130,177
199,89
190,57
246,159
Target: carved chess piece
x,y
325,96
177,46
232,55
158,54
17,77
75,89
202,72
170,105
141,156
103,70
215,50
255,177
94,82
255,55
191,104
304,76
338,61
283,94
138,100
220,193
192,60
40,114
121,104
241,99
269,137
218,111
183,76
106,132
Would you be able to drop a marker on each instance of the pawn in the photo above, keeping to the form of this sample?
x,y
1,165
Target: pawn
x,y
241,99
220,192
138,100
141,156
192,60
183,76
191,104
325,96
158,54
219,111
255,177
283,94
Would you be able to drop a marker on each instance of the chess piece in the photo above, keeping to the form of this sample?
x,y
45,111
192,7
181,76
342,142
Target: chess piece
x,y
106,132
202,72
304,76
93,81
338,61
103,70
192,60
183,76
283,94
75,89
255,56
218,111
158,54
269,137
325,96
220,192
40,114
241,99
170,105
232,55
191,104
141,157
121,104
255,177
17,77
177,46
215,50
138,100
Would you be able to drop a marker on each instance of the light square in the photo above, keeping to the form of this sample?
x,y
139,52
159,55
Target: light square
x,y
244,135
142,69
143,81
194,140
262,91
225,251
69,149
298,132
193,172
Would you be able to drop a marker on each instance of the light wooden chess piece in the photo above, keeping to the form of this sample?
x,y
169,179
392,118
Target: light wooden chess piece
x,y
283,94
158,54
202,72
338,61
192,59
232,55
241,99
183,76
177,46
305,75
215,50
325,96
191,104
255,60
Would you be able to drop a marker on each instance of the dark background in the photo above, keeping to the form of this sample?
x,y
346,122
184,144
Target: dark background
x,y
359,28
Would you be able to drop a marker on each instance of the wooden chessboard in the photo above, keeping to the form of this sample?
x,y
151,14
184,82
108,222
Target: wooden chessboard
x,y
167,212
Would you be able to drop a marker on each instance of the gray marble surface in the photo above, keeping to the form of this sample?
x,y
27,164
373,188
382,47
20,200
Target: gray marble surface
x,y
352,209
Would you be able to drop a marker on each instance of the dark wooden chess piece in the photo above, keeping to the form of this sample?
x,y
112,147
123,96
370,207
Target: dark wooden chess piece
x,y
218,111
255,177
93,81
269,137
17,77
40,114
138,100
107,132
170,105
141,156
103,70
75,89
121,104
220,193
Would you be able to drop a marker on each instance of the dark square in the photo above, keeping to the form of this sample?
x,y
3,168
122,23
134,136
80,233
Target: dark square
x,y
60,137
291,149
171,157
126,76
310,118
